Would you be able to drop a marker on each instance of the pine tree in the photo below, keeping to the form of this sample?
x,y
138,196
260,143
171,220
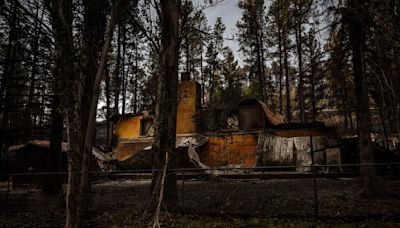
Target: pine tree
x,y
213,53
280,26
252,40
231,88
301,12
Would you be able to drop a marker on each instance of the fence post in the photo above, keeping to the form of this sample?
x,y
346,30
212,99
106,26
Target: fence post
x,y
183,187
314,178
8,187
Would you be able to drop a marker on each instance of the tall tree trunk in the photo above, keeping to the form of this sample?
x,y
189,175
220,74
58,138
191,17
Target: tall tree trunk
x,y
363,113
34,70
117,80
187,53
312,84
280,69
62,26
135,81
344,104
82,104
203,80
264,87
285,59
53,183
167,101
108,106
384,129
62,69
124,75
212,84
260,66
313,73
93,33
299,42
6,79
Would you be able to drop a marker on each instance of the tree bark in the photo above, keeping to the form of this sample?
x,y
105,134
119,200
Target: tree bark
x,y
124,75
285,59
93,33
34,70
280,66
167,101
357,39
260,66
135,88
63,64
61,15
117,80
312,84
108,107
299,42
82,95
7,73
90,123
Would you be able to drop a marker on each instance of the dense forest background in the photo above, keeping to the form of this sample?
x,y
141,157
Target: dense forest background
x,y
65,64
296,57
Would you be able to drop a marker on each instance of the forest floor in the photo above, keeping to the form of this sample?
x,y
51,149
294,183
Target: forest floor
x,y
216,203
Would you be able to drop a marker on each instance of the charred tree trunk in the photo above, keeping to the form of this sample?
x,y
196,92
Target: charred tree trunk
x,y
363,113
167,102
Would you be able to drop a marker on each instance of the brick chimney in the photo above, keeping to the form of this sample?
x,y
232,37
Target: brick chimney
x,y
188,105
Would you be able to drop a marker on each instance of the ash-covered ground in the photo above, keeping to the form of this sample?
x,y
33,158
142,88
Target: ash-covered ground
x,y
215,203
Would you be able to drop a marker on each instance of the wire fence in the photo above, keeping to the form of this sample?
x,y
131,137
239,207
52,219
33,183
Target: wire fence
x,y
243,169
239,191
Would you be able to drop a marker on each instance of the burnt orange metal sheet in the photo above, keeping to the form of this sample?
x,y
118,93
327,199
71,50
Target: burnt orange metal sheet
x,y
128,128
229,149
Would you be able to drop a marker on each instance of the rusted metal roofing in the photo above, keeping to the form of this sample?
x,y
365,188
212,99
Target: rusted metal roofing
x,y
273,117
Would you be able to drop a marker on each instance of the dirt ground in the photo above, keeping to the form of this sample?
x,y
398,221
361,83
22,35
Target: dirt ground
x,y
216,203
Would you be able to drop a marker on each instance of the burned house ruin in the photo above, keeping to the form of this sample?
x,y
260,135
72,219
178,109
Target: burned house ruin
x,y
246,135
